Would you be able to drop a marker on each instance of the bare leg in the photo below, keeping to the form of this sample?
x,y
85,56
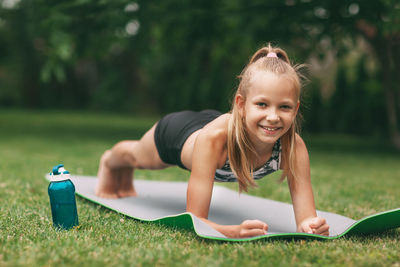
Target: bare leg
x,y
107,186
117,166
126,188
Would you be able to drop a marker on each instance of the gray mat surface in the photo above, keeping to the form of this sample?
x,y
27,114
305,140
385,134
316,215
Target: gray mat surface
x,y
166,202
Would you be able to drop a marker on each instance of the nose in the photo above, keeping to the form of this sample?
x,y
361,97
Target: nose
x,y
272,116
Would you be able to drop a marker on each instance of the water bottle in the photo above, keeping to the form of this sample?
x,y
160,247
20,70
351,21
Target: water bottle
x,y
62,199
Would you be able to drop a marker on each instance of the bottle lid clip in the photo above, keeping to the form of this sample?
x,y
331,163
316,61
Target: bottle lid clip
x,y
59,169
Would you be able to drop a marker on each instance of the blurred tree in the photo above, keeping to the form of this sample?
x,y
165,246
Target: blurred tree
x,y
66,50
170,55
378,23
313,109
357,102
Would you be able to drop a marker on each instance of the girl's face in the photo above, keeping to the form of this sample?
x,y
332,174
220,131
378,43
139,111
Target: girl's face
x,y
269,108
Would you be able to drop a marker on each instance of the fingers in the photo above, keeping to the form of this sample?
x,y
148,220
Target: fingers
x,y
255,224
322,230
319,226
316,225
251,232
317,222
307,229
251,228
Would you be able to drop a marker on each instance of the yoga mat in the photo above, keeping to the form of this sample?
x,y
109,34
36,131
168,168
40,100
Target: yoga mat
x,y
165,203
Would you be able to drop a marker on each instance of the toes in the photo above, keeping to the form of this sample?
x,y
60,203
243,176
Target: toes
x,y
127,194
107,195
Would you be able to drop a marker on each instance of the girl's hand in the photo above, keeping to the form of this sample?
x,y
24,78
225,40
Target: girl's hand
x,y
315,225
249,228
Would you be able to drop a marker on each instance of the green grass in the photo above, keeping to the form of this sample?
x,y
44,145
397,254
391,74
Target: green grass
x,y
351,176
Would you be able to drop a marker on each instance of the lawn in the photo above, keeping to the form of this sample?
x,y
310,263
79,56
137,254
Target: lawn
x,y
351,176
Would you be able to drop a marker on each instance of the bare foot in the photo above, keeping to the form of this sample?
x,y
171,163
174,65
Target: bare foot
x,y
107,183
114,183
127,193
125,187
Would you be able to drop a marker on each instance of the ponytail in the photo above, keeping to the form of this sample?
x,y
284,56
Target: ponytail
x,y
241,152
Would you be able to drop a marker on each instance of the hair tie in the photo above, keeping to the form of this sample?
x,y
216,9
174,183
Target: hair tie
x,y
272,54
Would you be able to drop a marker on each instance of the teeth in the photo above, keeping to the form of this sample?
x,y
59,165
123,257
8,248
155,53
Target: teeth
x,y
270,129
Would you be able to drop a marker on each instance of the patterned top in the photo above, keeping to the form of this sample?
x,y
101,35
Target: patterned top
x,y
225,174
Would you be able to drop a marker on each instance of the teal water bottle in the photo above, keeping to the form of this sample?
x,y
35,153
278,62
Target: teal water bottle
x,y
62,199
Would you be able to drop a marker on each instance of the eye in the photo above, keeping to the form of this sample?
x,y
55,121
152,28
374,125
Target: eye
x,y
261,104
286,107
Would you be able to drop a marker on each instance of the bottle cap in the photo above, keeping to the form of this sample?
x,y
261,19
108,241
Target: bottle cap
x,y
59,173
56,169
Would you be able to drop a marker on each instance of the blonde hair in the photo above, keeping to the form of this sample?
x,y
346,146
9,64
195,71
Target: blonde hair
x,y
241,151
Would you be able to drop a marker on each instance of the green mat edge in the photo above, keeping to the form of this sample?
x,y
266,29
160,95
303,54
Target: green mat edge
x,y
382,221
362,226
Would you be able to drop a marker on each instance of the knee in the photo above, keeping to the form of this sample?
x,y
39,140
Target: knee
x,y
105,157
123,148
122,154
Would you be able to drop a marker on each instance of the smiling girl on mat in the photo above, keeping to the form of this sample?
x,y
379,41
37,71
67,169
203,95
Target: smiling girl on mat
x,y
256,138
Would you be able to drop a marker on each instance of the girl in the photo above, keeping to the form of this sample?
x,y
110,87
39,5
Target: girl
x,y
256,138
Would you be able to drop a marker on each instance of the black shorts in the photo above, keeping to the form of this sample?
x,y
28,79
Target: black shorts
x,y
173,129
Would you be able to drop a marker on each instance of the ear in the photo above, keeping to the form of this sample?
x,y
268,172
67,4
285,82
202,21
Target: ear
x,y
240,102
297,106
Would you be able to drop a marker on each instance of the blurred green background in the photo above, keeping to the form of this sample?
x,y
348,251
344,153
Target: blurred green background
x,y
154,57
78,76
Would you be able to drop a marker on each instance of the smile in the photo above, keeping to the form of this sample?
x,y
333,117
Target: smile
x,y
270,130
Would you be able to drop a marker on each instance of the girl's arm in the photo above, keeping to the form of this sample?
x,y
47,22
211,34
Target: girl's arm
x,y
302,195
209,150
